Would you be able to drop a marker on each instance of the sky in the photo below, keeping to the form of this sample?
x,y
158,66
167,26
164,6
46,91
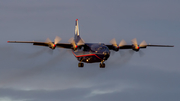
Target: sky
x,y
33,73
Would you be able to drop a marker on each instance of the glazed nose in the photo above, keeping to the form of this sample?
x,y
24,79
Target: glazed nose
x,y
106,55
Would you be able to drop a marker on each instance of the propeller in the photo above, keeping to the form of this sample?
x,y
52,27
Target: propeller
x,y
135,43
71,40
137,47
114,43
51,44
143,44
57,39
75,46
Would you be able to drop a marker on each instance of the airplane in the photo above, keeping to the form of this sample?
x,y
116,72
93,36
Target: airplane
x,y
90,52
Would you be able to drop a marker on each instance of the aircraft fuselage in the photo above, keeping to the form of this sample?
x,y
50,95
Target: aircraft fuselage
x,y
90,53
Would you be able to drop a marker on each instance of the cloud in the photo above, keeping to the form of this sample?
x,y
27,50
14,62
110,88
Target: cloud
x,y
138,83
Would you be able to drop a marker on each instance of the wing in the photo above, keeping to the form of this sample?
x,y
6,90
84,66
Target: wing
x,y
160,45
60,45
64,45
112,47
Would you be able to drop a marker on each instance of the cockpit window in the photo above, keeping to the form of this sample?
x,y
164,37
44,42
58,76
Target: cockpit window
x,y
94,47
102,48
98,47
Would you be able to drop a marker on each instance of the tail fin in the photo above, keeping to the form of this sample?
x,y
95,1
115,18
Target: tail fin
x,y
77,37
76,28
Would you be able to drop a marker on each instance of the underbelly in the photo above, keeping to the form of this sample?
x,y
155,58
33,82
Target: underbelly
x,y
88,57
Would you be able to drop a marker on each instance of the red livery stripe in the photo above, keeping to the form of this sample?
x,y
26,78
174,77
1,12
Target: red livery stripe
x,y
86,55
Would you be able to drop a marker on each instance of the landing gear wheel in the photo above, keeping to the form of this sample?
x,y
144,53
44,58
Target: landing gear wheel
x,y
80,64
102,65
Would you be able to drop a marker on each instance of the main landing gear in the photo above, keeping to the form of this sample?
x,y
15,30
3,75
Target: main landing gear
x,y
102,64
80,64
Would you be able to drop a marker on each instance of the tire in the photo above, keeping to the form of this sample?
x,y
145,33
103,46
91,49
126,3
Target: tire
x,y
80,64
102,65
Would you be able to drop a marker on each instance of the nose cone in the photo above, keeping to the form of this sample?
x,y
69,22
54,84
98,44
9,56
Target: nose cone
x,y
106,55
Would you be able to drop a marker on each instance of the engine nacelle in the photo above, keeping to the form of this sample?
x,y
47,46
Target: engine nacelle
x,y
75,47
116,48
135,48
53,46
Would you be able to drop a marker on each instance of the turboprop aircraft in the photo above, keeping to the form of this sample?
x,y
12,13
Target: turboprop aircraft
x,y
90,52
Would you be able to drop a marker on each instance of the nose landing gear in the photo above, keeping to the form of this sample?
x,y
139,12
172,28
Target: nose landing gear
x,y
102,64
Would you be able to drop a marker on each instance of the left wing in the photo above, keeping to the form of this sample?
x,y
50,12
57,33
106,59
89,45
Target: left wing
x,y
135,46
112,47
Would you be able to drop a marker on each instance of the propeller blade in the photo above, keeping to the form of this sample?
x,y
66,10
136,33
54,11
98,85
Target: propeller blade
x,y
126,55
141,53
122,43
81,42
134,42
143,44
57,39
49,41
50,51
113,42
71,40
121,52
112,52
131,52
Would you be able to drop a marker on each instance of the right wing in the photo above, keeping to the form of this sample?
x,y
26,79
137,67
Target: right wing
x,y
60,45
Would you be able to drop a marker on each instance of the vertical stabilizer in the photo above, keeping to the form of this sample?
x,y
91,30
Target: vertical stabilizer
x,y
77,37
76,28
